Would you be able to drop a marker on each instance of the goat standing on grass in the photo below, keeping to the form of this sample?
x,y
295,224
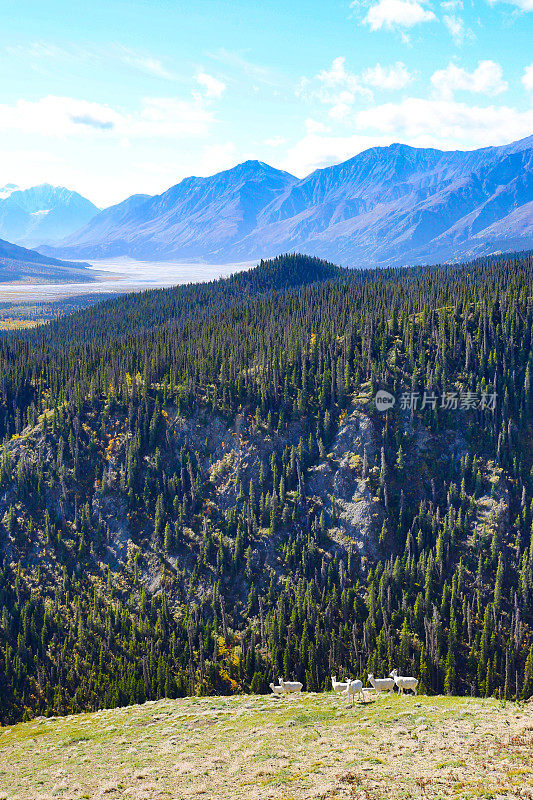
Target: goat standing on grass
x,y
276,689
339,686
403,683
381,684
355,688
290,686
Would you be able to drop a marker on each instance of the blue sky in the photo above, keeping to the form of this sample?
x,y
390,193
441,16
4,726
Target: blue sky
x,y
113,98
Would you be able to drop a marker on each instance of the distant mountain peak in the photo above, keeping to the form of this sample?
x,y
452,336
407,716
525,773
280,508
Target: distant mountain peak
x,y
253,166
7,190
42,213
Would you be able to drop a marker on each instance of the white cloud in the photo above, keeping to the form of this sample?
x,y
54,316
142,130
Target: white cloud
x,y
335,87
213,87
487,79
57,116
339,88
446,123
395,77
316,150
168,116
421,123
313,126
216,158
397,13
66,116
338,78
523,5
275,141
527,78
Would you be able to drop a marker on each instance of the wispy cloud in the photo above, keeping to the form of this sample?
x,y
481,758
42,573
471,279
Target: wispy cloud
x,y
455,23
145,63
522,5
238,61
456,27
41,53
38,49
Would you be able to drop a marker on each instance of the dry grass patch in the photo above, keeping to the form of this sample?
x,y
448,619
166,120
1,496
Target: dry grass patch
x,y
255,748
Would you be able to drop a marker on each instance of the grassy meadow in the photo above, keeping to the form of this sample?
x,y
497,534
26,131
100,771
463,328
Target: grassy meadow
x,y
306,746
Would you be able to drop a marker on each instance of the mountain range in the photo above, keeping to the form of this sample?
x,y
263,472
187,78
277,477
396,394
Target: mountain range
x,y
42,214
387,205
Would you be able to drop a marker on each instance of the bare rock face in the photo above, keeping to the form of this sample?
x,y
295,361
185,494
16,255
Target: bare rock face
x,y
230,454
338,483
355,433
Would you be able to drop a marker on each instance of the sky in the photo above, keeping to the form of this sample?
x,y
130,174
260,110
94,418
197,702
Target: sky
x,y
114,97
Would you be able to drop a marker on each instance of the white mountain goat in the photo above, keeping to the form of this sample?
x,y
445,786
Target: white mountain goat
x,y
381,684
355,688
339,686
276,689
404,683
290,686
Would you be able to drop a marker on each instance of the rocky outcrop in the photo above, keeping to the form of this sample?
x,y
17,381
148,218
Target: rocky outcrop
x,y
338,482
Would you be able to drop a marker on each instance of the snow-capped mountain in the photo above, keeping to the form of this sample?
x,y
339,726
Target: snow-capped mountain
x,y
42,214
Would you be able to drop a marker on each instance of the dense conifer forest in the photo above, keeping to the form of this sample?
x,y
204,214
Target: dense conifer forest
x,y
199,491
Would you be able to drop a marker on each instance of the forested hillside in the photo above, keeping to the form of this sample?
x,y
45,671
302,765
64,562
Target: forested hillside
x,y
198,491
149,309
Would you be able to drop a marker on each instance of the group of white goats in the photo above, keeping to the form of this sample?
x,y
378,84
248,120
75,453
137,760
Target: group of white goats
x,y
353,688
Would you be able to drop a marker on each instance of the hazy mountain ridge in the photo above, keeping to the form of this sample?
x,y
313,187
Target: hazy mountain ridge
x,y
42,213
387,205
20,264
203,215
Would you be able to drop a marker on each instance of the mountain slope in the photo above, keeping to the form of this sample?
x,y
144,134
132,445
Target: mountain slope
x,y
402,205
387,205
42,214
19,264
196,217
